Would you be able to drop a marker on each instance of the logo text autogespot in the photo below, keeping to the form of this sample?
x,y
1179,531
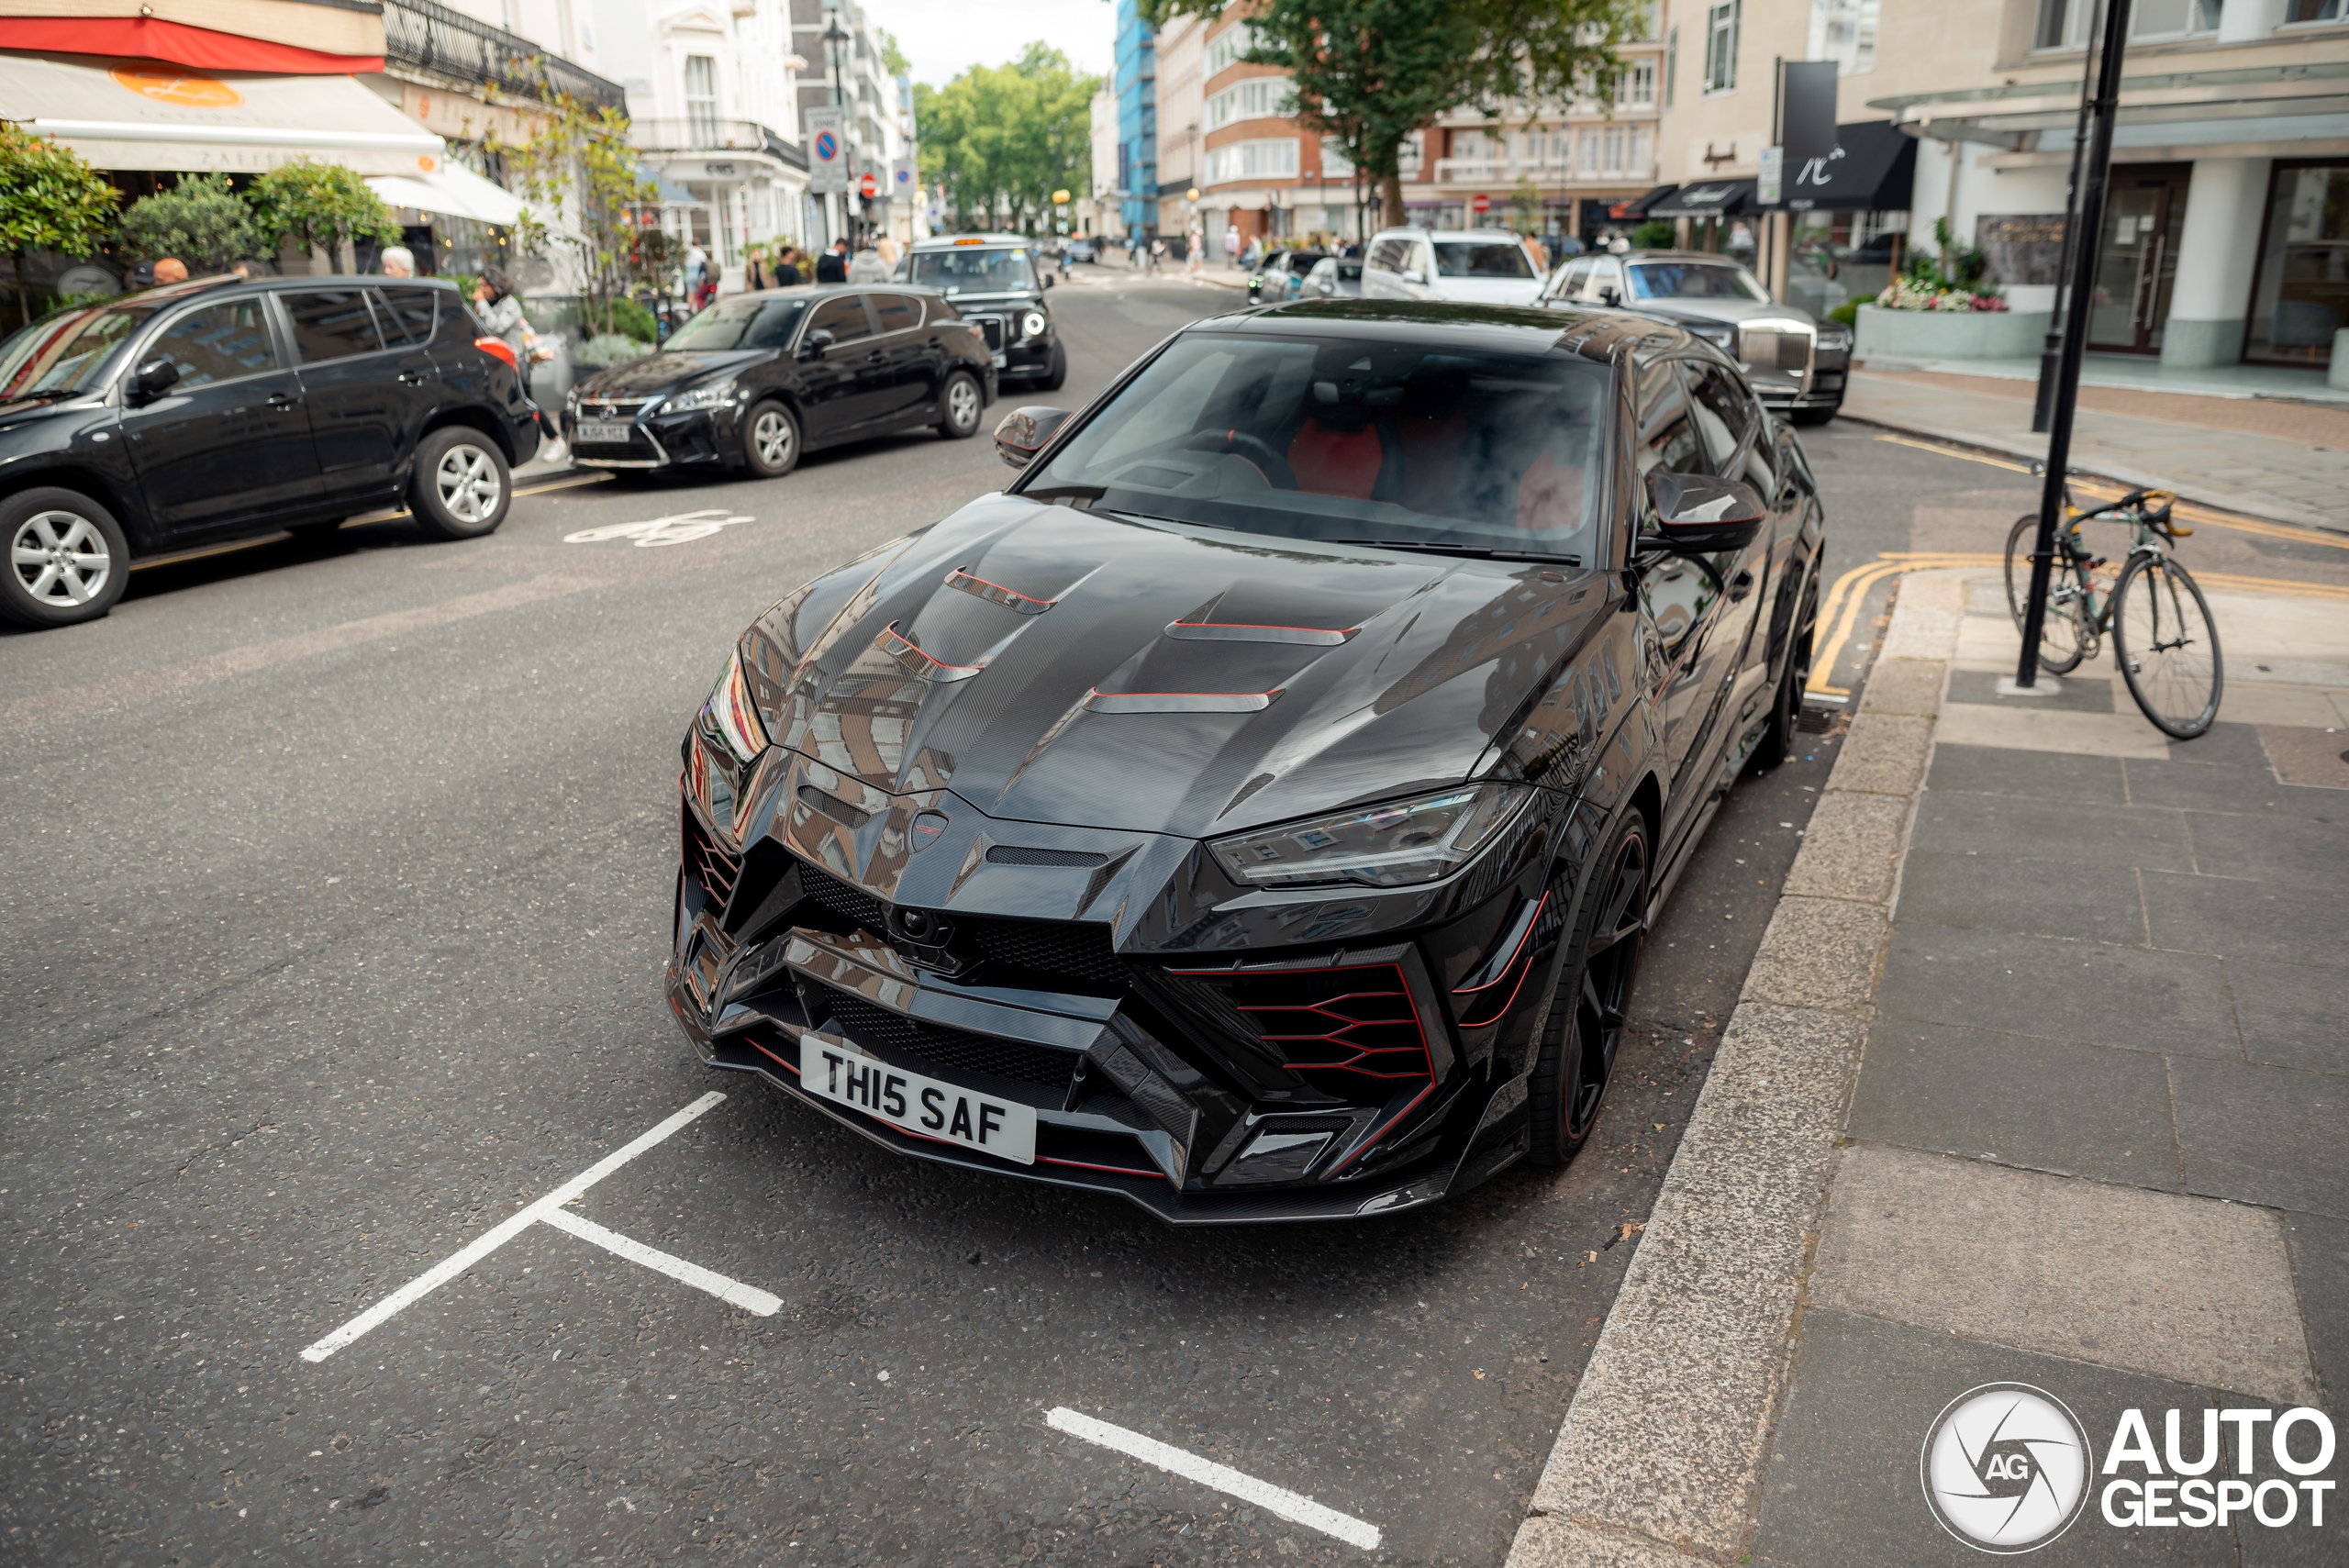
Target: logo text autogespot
x,y
2171,1488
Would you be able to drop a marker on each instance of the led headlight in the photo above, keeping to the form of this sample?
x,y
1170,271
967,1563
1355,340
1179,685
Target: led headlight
x,y
717,396
1033,324
1835,337
730,713
1391,845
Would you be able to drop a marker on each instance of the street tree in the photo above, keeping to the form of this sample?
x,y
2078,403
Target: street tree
x,y
200,220
50,199
1368,73
1003,138
317,207
586,188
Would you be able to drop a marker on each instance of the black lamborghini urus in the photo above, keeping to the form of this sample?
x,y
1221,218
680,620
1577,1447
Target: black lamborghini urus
x,y
1256,811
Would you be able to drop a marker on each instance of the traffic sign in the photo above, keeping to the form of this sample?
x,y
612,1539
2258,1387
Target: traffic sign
x,y
826,150
867,187
1480,203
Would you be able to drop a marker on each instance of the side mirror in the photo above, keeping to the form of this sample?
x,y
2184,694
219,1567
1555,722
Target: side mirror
x,y
1610,296
817,344
1025,431
153,379
1697,514
1048,280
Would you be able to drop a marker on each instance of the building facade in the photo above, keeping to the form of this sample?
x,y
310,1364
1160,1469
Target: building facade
x,y
1136,81
849,68
1099,212
2226,234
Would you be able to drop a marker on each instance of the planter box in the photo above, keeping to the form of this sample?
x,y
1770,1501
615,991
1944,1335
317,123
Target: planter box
x,y
1949,334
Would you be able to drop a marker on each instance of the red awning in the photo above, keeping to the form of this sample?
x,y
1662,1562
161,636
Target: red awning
x,y
151,38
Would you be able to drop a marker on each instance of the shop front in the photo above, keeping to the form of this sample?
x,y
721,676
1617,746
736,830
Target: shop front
x,y
2301,299
1849,216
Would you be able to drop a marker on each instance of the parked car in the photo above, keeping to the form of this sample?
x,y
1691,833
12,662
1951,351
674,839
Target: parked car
x,y
1281,274
1472,266
757,379
215,410
1080,249
1332,277
1796,362
1256,811
993,281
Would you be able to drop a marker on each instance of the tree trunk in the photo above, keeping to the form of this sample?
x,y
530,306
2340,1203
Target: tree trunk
x,y
1390,198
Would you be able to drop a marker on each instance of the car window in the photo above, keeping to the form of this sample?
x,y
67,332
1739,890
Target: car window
x,y
843,317
898,312
745,321
1696,279
68,353
1570,282
1606,275
1388,255
1723,417
218,342
1350,271
408,313
975,269
1482,258
1668,439
331,324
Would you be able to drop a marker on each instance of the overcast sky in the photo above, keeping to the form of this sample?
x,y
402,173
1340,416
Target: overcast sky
x,y
944,38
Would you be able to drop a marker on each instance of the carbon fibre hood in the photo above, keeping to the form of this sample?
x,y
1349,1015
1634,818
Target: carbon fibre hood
x,y
1050,664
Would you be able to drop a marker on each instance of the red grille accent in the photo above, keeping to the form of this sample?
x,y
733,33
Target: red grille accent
x,y
713,871
1356,1019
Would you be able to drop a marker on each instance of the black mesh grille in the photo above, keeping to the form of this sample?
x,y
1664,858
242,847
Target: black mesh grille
x,y
957,1048
706,861
1013,855
850,903
1082,952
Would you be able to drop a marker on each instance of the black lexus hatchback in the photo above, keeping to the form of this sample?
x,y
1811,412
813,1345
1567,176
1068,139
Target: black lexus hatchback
x,y
215,410
1256,812
757,379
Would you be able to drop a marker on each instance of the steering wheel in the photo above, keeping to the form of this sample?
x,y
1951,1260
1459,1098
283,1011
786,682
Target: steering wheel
x,y
1257,450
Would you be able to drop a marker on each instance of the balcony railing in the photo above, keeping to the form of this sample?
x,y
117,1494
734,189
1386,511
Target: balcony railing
x,y
703,134
440,45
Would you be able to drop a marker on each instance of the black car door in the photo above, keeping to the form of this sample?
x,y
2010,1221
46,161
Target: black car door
x,y
916,355
407,317
848,384
354,398
1678,602
227,446
1736,436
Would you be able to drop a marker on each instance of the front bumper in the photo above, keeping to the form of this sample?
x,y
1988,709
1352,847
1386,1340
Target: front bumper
x,y
701,437
1149,1076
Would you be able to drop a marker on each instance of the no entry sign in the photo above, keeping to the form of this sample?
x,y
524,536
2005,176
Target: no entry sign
x,y
1480,203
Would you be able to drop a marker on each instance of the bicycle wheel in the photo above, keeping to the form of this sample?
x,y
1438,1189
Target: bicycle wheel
x,y
2166,646
2060,641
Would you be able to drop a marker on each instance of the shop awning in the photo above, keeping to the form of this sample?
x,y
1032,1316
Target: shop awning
x,y
1871,170
1643,205
142,115
1706,198
452,191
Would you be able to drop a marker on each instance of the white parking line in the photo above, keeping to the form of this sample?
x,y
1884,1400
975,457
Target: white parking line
x,y
1272,1500
449,1268
749,1296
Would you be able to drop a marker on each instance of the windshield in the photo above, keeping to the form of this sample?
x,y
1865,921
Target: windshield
x,y
1481,259
1351,440
976,271
68,353
746,321
1694,280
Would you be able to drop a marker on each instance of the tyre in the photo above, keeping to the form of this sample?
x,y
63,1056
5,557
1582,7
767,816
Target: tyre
x,y
1786,703
462,488
1806,418
1584,1028
2167,646
769,441
960,403
2061,641
67,560
1056,371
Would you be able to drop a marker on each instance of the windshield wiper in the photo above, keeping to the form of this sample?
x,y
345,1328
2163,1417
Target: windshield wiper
x,y
1474,552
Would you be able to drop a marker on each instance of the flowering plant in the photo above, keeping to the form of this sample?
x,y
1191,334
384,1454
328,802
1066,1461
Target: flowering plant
x,y
1913,293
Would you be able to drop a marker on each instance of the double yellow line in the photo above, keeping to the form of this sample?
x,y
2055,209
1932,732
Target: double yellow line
x,y
1841,610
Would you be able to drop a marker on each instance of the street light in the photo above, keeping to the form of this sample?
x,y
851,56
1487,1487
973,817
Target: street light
x,y
835,39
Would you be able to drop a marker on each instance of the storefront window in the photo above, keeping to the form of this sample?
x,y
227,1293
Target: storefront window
x,y
2302,295
1835,257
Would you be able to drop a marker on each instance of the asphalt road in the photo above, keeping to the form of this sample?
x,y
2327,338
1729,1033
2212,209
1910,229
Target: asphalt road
x,y
342,875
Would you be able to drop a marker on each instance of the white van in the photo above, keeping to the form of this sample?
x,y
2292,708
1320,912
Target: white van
x,y
1470,266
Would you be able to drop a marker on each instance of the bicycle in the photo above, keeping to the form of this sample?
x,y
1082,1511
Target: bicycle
x,y
2163,635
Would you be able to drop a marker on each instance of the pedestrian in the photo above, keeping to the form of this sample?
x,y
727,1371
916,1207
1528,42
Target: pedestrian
x,y
1231,245
697,264
1157,255
500,311
170,270
890,251
831,267
397,261
867,267
757,274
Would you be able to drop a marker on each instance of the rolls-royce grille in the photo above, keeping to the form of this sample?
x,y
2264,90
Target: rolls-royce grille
x,y
867,1022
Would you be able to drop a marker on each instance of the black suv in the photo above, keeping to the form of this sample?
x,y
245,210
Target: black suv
x,y
756,379
993,281
220,409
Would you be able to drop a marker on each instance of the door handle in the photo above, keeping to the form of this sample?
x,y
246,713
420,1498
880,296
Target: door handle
x,y
1740,586
411,378
280,401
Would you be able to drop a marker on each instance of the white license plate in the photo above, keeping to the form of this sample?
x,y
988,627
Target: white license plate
x,y
604,433
1000,362
914,1103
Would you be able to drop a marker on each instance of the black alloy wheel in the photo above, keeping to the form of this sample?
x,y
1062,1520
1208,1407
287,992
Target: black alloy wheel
x,y
67,560
959,404
1786,704
1584,1028
770,440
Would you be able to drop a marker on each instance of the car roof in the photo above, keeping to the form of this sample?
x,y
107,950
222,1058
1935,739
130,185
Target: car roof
x,y
971,241
1707,257
1593,333
1447,233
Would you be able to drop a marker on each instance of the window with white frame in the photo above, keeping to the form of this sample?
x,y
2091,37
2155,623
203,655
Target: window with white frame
x,y
1230,47
1335,164
2064,23
1636,87
1262,97
1720,46
1266,160
1845,32
1591,152
1671,65
701,98
1410,157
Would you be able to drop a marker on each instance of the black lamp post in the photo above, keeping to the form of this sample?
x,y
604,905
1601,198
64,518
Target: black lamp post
x,y
835,44
2051,352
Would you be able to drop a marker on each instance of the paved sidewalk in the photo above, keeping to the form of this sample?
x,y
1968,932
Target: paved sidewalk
x,y
2285,462
2040,1077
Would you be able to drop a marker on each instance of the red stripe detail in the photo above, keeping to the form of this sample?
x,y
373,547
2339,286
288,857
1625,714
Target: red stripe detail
x,y
1084,1166
1001,589
1268,626
1530,928
151,38
1392,1121
771,1056
909,645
